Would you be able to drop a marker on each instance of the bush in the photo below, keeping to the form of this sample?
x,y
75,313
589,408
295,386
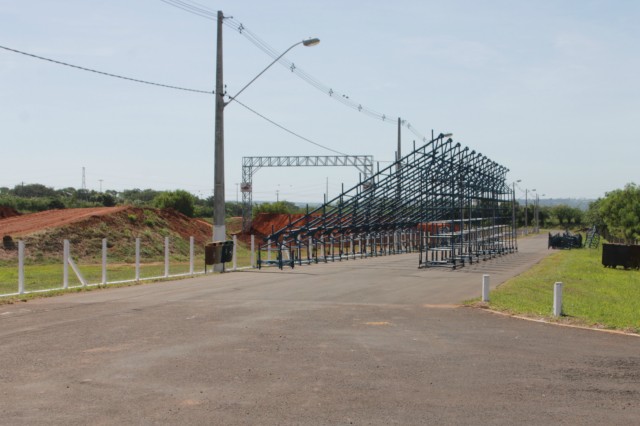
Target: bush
x,y
620,212
178,200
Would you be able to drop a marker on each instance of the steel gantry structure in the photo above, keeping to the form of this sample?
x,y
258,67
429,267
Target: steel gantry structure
x,y
250,165
446,202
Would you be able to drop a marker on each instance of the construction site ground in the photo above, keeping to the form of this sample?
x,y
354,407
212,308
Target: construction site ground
x,y
372,341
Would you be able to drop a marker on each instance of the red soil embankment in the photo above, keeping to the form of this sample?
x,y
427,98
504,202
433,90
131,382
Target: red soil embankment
x,y
6,212
29,223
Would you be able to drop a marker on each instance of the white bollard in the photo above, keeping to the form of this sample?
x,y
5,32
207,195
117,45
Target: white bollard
x,y
557,299
137,259
104,261
485,288
166,257
235,257
65,264
253,251
20,267
191,255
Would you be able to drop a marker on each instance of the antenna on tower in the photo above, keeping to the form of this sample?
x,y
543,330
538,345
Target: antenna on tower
x,y
84,180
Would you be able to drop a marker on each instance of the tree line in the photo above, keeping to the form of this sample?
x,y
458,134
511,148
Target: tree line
x,y
617,214
32,198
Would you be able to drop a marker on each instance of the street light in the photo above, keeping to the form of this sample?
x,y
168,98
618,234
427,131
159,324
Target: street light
x,y
537,211
535,218
513,209
219,231
308,42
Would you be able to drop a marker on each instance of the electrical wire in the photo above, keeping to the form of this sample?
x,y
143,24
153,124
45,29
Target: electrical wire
x,y
192,9
287,130
106,73
334,94
208,13
170,87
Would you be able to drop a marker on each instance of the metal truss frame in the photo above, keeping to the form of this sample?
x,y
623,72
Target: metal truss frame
x,y
448,203
250,165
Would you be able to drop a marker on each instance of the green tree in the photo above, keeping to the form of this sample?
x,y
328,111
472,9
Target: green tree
x,y
179,200
576,215
593,217
544,215
139,197
620,211
33,190
563,213
103,198
233,209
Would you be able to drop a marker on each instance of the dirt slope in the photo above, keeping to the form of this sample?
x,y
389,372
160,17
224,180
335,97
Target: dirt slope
x,y
17,226
6,212
44,232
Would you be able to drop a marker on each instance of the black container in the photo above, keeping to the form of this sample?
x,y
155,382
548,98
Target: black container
x,y
627,256
227,251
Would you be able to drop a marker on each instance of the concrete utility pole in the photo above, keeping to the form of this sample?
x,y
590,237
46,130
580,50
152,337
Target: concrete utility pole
x,y
219,231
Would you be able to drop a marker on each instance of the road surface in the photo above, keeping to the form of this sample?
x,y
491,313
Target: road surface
x,y
372,341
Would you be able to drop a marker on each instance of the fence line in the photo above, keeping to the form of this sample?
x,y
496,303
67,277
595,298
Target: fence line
x,y
68,262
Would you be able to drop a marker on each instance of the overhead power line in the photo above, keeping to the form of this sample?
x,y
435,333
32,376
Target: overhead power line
x,y
208,13
171,87
287,130
208,92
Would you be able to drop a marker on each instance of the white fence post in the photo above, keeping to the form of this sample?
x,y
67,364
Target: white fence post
x,y
557,299
104,261
137,259
65,264
166,257
191,252
235,252
253,251
20,267
485,288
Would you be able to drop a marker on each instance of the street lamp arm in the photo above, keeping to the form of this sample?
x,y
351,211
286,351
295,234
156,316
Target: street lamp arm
x,y
309,42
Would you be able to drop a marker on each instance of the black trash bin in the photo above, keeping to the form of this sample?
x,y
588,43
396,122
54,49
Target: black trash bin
x,y
213,252
227,251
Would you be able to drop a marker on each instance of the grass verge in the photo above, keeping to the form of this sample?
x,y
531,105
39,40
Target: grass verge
x,y
593,295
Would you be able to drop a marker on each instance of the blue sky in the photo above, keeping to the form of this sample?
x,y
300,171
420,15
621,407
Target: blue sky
x,y
549,89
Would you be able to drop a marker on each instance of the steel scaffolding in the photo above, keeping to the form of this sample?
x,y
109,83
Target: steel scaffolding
x,y
446,202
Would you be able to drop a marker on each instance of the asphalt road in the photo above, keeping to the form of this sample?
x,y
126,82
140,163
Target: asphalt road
x,y
372,341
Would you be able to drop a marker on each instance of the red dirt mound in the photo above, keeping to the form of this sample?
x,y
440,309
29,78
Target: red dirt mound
x,y
44,232
266,223
6,212
29,223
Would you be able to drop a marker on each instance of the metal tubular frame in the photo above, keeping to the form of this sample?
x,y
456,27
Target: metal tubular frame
x,y
446,202
250,165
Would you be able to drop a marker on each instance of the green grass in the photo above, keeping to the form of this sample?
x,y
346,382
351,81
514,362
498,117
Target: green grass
x,y
592,294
